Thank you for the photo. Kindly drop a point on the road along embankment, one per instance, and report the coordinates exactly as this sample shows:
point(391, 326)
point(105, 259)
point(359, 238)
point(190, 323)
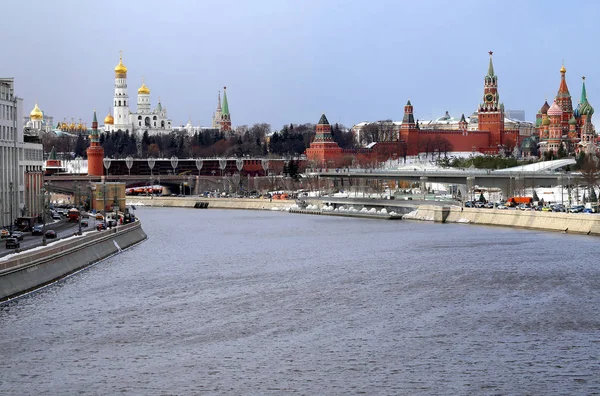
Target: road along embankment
point(577, 223)
point(213, 203)
point(26, 271)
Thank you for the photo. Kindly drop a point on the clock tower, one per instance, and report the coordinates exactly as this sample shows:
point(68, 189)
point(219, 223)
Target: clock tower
point(491, 111)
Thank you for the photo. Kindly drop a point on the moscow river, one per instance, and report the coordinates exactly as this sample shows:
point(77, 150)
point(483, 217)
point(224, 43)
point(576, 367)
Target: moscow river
point(255, 303)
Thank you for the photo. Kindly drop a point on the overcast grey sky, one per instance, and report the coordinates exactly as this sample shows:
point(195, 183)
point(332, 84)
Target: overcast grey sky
point(287, 61)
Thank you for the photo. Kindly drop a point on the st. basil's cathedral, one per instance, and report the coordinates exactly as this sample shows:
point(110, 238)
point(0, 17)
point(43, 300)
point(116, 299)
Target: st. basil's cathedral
point(559, 124)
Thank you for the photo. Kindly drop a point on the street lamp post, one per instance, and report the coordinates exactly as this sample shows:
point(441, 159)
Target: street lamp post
point(199, 165)
point(174, 162)
point(129, 164)
point(222, 165)
point(44, 190)
point(106, 162)
point(239, 164)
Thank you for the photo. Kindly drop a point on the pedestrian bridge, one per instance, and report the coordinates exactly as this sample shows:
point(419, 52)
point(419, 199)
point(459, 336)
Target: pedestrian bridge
point(541, 174)
point(539, 166)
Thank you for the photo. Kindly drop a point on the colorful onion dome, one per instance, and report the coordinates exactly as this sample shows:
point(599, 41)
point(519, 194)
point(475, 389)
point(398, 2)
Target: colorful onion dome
point(538, 122)
point(572, 121)
point(577, 111)
point(586, 109)
point(546, 121)
point(545, 107)
point(109, 120)
point(555, 110)
point(36, 113)
point(120, 69)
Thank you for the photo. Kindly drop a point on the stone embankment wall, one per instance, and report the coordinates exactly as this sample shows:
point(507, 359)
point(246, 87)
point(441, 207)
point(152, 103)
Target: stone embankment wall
point(30, 270)
point(213, 203)
point(579, 223)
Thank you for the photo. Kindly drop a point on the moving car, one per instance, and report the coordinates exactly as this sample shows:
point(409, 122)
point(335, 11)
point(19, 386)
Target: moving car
point(12, 243)
point(5, 233)
point(51, 234)
point(38, 230)
point(101, 226)
point(18, 234)
point(99, 216)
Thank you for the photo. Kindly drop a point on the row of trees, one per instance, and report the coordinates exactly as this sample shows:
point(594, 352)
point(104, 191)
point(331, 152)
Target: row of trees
point(257, 140)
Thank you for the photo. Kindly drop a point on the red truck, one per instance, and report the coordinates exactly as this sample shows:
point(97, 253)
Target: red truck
point(73, 215)
point(514, 201)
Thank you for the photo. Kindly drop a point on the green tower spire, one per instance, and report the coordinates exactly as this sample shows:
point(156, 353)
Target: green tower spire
point(491, 66)
point(323, 120)
point(225, 103)
point(583, 92)
point(95, 118)
point(52, 153)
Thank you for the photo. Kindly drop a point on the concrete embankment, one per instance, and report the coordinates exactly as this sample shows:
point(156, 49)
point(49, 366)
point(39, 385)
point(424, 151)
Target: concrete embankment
point(578, 223)
point(29, 270)
point(213, 203)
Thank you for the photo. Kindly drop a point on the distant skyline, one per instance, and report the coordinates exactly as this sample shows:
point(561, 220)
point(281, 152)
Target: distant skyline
point(288, 61)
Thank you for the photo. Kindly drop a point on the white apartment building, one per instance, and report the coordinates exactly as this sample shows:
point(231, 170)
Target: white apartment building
point(20, 160)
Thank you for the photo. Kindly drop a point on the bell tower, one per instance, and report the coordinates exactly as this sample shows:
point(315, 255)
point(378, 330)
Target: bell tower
point(491, 111)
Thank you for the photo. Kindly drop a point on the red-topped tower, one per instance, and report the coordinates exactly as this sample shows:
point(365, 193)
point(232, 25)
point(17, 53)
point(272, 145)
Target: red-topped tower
point(409, 133)
point(491, 111)
point(95, 152)
point(563, 100)
point(323, 149)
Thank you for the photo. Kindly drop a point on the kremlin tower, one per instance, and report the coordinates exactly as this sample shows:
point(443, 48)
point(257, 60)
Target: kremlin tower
point(324, 151)
point(95, 152)
point(225, 116)
point(491, 111)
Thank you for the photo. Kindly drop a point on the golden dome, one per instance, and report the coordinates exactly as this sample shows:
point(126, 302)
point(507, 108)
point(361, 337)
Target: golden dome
point(36, 113)
point(72, 126)
point(79, 127)
point(144, 89)
point(562, 69)
point(120, 69)
point(64, 126)
point(109, 120)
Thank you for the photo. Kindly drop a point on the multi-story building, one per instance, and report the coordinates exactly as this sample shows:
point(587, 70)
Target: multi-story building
point(20, 158)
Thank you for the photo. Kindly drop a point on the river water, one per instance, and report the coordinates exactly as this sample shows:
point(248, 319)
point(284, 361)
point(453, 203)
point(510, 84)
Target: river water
point(255, 303)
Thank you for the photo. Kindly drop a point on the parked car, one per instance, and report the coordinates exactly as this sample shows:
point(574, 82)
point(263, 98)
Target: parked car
point(99, 216)
point(12, 243)
point(479, 204)
point(18, 234)
point(38, 230)
point(100, 226)
point(5, 233)
point(546, 209)
point(489, 205)
point(576, 209)
point(51, 234)
point(502, 207)
point(588, 210)
point(469, 204)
